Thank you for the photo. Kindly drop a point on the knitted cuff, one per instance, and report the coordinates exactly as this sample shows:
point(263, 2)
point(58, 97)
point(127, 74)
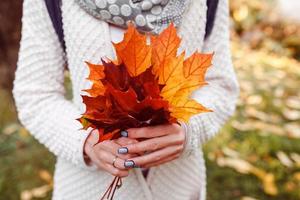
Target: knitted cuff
point(191, 141)
point(80, 156)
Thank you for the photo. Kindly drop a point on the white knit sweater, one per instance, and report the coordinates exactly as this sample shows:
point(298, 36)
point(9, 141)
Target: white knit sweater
point(44, 111)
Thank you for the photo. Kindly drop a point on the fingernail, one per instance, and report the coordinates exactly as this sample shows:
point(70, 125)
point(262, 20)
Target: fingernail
point(123, 150)
point(129, 164)
point(124, 133)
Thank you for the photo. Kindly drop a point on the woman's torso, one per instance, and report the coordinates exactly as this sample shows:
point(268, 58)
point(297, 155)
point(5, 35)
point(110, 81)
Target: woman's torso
point(89, 39)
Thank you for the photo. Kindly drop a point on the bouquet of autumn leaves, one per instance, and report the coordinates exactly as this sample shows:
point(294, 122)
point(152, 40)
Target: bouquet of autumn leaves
point(148, 84)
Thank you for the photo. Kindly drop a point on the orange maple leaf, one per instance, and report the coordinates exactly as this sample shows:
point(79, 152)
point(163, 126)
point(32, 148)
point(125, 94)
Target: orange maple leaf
point(134, 52)
point(95, 75)
point(96, 71)
point(96, 90)
point(196, 65)
point(165, 47)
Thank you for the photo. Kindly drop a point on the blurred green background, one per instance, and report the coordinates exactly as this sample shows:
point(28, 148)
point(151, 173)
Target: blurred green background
point(257, 154)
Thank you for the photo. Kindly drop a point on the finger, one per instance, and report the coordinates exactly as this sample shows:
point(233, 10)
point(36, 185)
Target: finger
point(156, 155)
point(93, 137)
point(114, 171)
point(112, 147)
point(123, 141)
point(108, 158)
point(163, 161)
point(156, 143)
point(93, 157)
point(153, 131)
point(109, 145)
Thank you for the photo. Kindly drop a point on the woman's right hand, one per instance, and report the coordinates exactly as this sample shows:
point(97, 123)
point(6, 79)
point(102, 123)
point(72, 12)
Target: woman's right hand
point(104, 153)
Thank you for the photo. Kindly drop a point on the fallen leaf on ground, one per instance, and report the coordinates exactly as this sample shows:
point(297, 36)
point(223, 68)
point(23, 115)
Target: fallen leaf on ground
point(39, 192)
point(284, 159)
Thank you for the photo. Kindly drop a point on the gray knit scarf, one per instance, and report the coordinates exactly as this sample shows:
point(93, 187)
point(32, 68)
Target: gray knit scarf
point(147, 15)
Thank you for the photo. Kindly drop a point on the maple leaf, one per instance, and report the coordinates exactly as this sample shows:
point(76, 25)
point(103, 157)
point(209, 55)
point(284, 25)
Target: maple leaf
point(172, 76)
point(126, 99)
point(183, 109)
point(134, 51)
point(97, 109)
point(180, 77)
point(165, 47)
point(194, 70)
point(151, 89)
point(196, 65)
point(116, 75)
point(97, 103)
point(185, 89)
point(85, 123)
point(107, 136)
point(96, 90)
point(96, 72)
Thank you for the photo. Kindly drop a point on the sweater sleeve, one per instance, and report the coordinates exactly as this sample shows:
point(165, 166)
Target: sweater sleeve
point(39, 87)
point(222, 90)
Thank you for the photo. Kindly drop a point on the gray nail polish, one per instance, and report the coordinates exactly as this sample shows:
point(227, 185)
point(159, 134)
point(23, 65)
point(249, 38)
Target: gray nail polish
point(129, 164)
point(124, 133)
point(123, 150)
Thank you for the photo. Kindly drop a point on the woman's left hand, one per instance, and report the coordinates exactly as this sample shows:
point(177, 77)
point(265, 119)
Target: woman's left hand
point(163, 143)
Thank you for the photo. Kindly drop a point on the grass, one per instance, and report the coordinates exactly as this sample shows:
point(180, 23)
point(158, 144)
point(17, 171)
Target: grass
point(22, 157)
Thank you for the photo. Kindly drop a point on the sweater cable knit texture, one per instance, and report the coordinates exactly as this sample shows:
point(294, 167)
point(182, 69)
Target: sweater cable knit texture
point(44, 111)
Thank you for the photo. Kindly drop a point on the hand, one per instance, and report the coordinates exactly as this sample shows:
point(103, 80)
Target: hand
point(164, 142)
point(103, 154)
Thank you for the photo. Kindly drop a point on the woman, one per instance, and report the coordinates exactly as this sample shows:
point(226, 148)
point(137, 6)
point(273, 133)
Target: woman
point(84, 170)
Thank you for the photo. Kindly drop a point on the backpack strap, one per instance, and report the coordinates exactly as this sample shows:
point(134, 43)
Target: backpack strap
point(212, 6)
point(54, 10)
